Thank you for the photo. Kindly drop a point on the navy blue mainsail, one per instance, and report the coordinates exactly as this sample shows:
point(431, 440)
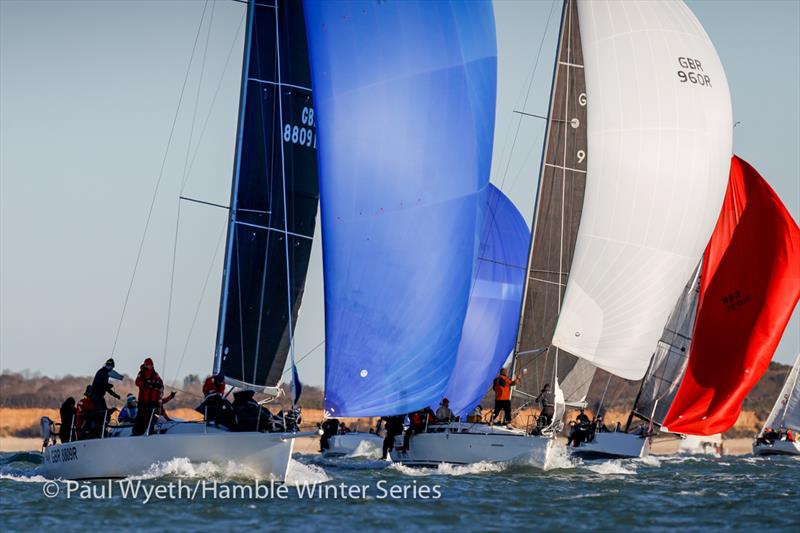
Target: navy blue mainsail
point(273, 200)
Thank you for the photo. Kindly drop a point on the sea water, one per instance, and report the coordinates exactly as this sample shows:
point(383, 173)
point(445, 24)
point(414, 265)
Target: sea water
point(654, 493)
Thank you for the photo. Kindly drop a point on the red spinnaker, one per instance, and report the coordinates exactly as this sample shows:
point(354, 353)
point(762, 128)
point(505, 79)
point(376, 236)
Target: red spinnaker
point(749, 285)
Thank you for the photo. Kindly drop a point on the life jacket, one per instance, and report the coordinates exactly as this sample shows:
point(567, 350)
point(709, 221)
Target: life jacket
point(210, 386)
point(502, 388)
point(150, 387)
point(416, 419)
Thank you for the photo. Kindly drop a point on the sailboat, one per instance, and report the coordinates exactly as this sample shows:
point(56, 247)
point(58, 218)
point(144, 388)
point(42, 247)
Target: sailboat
point(270, 228)
point(489, 324)
point(784, 417)
point(657, 388)
point(634, 172)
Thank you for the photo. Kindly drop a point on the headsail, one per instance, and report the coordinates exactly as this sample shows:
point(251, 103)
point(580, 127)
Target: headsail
point(658, 144)
point(490, 326)
point(669, 361)
point(405, 93)
point(786, 411)
point(749, 287)
point(273, 200)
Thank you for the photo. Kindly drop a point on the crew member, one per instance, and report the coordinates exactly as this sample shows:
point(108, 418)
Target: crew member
point(330, 427)
point(443, 413)
point(151, 389)
point(547, 407)
point(214, 384)
point(128, 413)
point(580, 429)
point(67, 413)
point(502, 395)
point(394, 427)
point(101, 386)
point(418, 421)
point(85, 416)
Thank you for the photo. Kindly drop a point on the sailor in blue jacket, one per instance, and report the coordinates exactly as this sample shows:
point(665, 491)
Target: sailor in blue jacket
point(128, 413)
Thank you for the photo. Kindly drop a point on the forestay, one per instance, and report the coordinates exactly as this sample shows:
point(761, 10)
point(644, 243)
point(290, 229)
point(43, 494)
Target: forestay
point(659, 143)
point(273, 200)
point(405, 93)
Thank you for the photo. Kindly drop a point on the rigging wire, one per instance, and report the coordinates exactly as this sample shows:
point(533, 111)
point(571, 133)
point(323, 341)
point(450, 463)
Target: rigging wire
point(200, 300)
point(158, 182)
point(516, 134)
point(183, 182)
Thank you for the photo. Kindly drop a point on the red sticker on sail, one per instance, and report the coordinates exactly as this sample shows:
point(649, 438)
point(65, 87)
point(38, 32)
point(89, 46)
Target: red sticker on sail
point(749, 286)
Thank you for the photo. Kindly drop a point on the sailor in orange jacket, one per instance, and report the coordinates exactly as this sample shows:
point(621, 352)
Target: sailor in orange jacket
point(502, 395)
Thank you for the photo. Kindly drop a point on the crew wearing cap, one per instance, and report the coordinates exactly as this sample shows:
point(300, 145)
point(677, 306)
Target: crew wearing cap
point(101, 386)
point(128, 413)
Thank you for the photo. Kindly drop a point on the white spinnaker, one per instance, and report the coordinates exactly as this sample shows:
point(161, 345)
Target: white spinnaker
point(659, 152)
point(786, 411)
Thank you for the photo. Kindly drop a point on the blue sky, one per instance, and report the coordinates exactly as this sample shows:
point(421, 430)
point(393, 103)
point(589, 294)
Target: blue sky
point(88, 92)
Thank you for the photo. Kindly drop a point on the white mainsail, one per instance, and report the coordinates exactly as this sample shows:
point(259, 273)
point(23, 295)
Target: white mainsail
point(659, 147)
point(786, 411)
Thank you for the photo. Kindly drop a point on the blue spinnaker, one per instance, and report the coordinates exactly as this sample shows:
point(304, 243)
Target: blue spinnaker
point(490, 327)
point(405, 96)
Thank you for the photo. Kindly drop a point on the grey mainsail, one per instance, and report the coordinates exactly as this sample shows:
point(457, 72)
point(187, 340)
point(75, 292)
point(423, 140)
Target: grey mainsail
point(669, 361)
point(556, 220)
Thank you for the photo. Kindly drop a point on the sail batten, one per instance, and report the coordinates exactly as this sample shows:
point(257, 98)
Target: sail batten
point(274, 197)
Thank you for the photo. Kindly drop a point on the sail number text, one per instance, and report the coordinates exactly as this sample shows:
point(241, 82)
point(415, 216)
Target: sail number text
point(693, 72)
point(302, 134)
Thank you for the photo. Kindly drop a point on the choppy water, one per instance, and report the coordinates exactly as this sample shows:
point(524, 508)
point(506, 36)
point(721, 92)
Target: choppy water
point(639, 494)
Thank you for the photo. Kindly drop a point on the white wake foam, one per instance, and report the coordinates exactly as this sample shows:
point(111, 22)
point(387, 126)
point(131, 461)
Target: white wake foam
point(559, 459)
point(182, 467)
point(24, 478)
point(301, 474)
point(610, 468)
point(367, 449)
point(650, 460)
point(445, 469)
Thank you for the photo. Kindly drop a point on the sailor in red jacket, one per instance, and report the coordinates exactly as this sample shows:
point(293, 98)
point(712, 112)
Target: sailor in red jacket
point(214, 384)
point(151, 390)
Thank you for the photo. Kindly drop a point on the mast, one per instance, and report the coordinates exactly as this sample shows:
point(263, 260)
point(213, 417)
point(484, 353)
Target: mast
point(558, 206)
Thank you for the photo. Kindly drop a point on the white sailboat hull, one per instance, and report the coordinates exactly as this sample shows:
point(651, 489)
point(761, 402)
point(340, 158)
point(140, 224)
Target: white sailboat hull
point(473, 443)
point(265, 454)
point(613, 445)
point(356, 443)
point(779, 447)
